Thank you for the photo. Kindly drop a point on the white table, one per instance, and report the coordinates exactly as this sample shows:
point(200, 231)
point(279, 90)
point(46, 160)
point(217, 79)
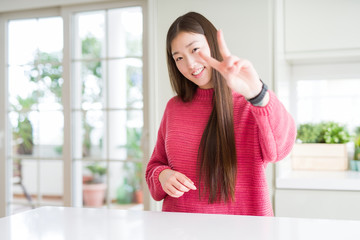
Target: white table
point(58, 223)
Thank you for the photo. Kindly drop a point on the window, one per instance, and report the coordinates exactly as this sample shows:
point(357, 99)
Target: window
point(328, 100)
point(35, 112)
point(107, 108)
point(326, 92)
point(88, 90)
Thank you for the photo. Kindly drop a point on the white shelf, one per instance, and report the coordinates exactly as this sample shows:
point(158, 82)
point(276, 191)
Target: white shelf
point(319, 180)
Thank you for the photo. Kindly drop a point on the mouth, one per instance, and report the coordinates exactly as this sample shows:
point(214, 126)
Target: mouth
point(198, 71)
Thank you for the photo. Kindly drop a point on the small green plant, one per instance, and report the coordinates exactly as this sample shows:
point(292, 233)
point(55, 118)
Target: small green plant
point(333, 132)
point(357, 144)
point(308, 133)
point(324, 132)
point(23, 132)
point(97, 172)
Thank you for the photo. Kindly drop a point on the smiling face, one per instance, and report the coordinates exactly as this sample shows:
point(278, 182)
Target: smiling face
point(184, 49)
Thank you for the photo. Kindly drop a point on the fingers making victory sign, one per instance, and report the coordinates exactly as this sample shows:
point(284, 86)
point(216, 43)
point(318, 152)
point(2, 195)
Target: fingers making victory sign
point(239, 74)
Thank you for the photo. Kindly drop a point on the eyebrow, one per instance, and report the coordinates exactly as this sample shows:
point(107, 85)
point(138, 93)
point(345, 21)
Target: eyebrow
point(188, 45)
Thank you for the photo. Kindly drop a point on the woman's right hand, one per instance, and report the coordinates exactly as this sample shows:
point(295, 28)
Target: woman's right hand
point(174, 183)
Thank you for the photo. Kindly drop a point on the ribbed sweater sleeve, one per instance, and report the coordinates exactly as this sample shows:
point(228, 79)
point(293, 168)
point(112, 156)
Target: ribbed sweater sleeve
point(277, 129)
point(158, 162)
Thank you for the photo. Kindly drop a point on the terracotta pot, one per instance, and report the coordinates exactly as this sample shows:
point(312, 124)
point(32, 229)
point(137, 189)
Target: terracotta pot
point(138, 196)
point(87, 179)
point(94, 194)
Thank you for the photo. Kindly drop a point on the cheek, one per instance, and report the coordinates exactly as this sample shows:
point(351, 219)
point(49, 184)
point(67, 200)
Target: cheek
point(181, 67)
point(207, 51)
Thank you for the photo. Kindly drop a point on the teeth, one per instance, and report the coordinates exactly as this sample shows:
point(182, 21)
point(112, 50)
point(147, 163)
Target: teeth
point(198, 71)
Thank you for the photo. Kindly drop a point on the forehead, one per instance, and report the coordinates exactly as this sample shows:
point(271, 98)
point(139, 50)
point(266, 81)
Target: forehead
point(184, 39)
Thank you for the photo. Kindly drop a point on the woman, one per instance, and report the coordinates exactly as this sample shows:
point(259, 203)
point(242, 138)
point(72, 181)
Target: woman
point(220, 131)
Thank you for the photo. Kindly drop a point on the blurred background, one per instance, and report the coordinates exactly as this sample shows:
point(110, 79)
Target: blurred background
point(84, 83)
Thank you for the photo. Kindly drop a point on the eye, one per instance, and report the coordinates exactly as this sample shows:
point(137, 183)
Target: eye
point(195, 49)
point(178, 59)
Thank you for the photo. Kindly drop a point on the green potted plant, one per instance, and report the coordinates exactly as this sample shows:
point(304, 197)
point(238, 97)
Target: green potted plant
point(321, 146)
point(94, 187)
point(135, 181)
point(23, 136)
point(355, 163)
point(23, 132)
point(138, 191)
point(130, 191)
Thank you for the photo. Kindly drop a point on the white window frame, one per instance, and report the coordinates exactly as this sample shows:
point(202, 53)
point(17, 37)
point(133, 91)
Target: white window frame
point(4, 138)
point(66, 13)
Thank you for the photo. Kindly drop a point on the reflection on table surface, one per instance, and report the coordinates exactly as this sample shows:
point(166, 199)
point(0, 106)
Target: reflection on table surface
point(58, 223)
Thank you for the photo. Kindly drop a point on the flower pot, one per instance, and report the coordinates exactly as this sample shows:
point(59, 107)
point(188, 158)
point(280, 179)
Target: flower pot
point(94, 194)
point(319, 156)
point(354, 165)
point(138, 196)
point(358, 165)
point(87, 179)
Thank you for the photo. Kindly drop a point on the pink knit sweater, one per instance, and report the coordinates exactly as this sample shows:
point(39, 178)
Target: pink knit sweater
point(262, 135)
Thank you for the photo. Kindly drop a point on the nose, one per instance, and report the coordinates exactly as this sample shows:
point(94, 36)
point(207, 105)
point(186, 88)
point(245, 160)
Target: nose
point(191, 61)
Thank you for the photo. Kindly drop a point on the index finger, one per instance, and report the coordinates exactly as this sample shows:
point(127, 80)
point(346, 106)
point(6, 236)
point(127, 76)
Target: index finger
point(224, 51)
point(211, 61)
point(184, 180)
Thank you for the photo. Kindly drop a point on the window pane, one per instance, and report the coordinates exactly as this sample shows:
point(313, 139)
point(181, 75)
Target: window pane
point(51, 35)
point(91, 124)
point(118, 135)
point(90, 35)
point(125, 185)
point(39, 134)
point(48, 76)
point(51, 182)
point(125, 83)
point(125, 37)
point(329, 100)
point(24, 133)
point(89, 87)
point(21, 51)
point(107, 91)
point(51, 136)
point(94, 183)
point(125, 135)
point(25, 188)
point(35, 111)
point(20, 86)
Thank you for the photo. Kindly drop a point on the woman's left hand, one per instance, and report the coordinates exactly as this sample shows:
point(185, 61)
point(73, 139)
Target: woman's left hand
point(240, 75)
